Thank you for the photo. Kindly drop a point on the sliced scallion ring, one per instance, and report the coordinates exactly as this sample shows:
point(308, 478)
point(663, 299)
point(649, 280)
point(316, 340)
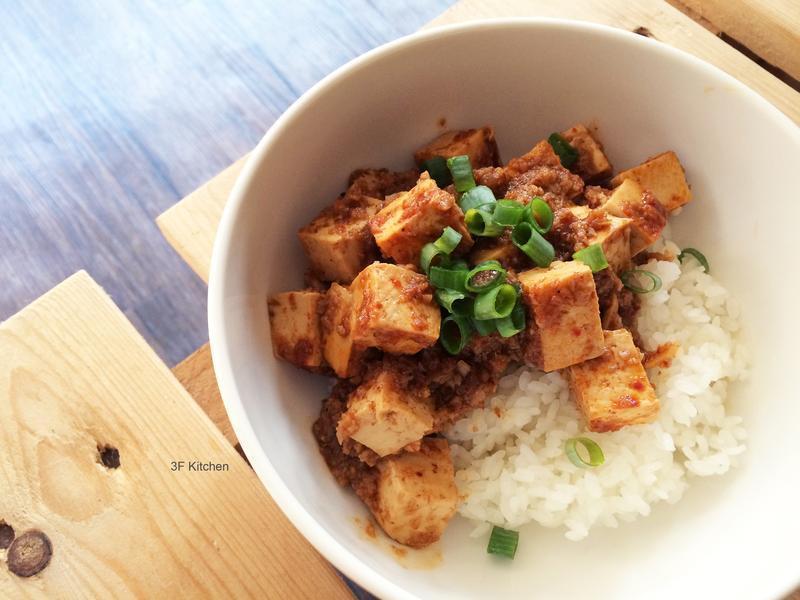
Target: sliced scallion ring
point(436, 167)
point(448, 241)
point(461, 170)
point(477, 197)
point(484, 327)
point(455, 333)
point(630, 280)
point(452, 301)
point(485, 275)
point(539, 214)
point(512, 324)
point(480, 222)
point(596, 457)
point(564, 149)
point(448, 278)
point(431, 255)
point(495, 303)
point(592, 256)
point(508, 212)
point(503, 542)
point(531, 242)
point(697, 254)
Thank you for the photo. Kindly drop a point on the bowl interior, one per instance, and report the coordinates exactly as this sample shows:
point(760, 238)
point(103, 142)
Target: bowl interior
point(730, 536)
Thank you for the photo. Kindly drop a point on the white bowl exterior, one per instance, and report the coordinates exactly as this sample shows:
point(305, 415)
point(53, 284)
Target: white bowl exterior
point(734, 536)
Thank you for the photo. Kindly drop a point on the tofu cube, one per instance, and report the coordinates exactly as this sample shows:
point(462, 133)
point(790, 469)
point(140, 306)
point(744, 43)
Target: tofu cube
point(416, 494)
point(478, 144)
point(563, 326)
point(338, 241)
point(394, 309)
point(648, 217)
point(295, 328)
point(592, 164)
point(615, 239)
point(384, 416)
point(664, 176)
point(337, 323)
point(612, 390)
point(415, 218)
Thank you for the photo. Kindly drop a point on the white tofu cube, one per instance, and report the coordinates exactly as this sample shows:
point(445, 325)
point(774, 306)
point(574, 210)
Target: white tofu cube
point(563, 325)
point(384, 416)
point(337, 323)
point(478, 144)
point(615, 239)
point(592, 164)
point(664, 176)
point(416, 494)
point(612, 390)
point(394, 309)
point(294, 319)
point(648, 217)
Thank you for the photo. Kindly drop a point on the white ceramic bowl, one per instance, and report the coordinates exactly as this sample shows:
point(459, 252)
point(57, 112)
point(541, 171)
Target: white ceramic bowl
point(730, 537)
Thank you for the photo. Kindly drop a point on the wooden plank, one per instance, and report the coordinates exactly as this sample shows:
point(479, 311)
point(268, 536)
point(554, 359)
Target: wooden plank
point(190, 225)
point(75, 375)
point(196, 374)
point(769, 29)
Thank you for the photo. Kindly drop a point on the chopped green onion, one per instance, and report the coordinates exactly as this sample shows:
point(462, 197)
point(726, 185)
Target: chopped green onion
point(453, 301)
point(484, 326)
point(436, 167)
point(485, 275)
point(431, 255)
point(461, 170)
point(596, 457)
point(495, 303)
point(448, 278)
point(476, 198)
point(697, 254)
point(503, 542)
point(448, 241)
point(592, 256)
point(455, 333)
point(629, 280)
point(480, 222)
point(539, 214)
point(530, 241)
point(508, 212)
point(512, 324)
point(564, 149)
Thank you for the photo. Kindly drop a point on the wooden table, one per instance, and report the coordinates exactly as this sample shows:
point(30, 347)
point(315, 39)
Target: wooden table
point(77, 379)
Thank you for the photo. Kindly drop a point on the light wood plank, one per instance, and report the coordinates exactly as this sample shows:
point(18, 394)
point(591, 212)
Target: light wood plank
point(771, 29)
point(190, 225)
point(74, 373)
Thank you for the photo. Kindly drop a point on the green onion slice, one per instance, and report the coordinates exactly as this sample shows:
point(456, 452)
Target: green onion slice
point(480, 222)
point(431, 255)
point(701, 258)
point(484, 327)
point(512, 324)
point(461, 170)
point(503, 542)
point(448, 278)
point(508, 212)
point(495, 303)
point(436, 167)
point(539, 214)
point(477, 197)
point(631, 278)
point(592, 256)
point(564, 149)
point(531, 242)
point(454, 302)
point(485, 276)
point(455, 333)
point(596, 457)
point(448, 241)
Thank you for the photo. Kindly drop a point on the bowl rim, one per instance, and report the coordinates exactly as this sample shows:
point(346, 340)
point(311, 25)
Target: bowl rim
point(331, 549)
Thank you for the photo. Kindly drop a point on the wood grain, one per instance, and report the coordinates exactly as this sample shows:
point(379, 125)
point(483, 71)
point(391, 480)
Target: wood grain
point(771, 29)
point(74, 374)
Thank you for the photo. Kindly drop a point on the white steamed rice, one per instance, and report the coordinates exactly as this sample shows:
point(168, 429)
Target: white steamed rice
point(509, 456)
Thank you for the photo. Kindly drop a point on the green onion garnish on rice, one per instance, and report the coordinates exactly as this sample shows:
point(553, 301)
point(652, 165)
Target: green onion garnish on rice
point(503, 542)
point(630, 279)
point(697, 254)
point(596, 457)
